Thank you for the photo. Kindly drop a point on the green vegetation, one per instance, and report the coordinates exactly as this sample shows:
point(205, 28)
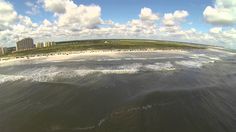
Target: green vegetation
point(111, 44)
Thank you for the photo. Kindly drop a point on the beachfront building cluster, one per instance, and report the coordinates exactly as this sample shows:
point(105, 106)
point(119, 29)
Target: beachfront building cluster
point(25, 44)
point(3, 50)
point(49, 44)
point(45, 44)
point(39, 45)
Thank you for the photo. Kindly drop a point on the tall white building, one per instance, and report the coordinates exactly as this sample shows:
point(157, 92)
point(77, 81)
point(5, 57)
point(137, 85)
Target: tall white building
point(49, 44)
point(3, 50)
point(44, 44)
point(39, 45)
point(25, 44)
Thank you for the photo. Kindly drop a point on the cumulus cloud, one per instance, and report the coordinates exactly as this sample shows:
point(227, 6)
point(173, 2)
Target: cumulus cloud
point(8, 15)
point(55, 6)
point(13, 26)
point(147, 15)
point(172, 19)
point(223, 37)
point(171, 23)
point(145, 25)
point(81, 16)
point(29, 4)
point(222, 13)
point(74, 16)
point(215, 30)
point(34, 8)
point(72, 21)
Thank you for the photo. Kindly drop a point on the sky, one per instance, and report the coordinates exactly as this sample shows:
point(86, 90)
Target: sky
point(211, 22)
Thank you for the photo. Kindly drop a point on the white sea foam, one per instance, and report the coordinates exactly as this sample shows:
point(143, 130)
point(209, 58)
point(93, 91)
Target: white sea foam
point(85, 72)
point(198, 63)
point(198, 60)
point(131, 66)
point(48, 74)
point(43, 74)
point(204, 56)
point(139, 58)
point(221, 51)
point(214, 58)
point(53, 73)
point(9, 78)
point(190, 64)
point(160, 66)
point(123, 69)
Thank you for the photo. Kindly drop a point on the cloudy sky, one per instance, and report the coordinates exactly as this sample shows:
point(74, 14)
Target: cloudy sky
point(198, 21)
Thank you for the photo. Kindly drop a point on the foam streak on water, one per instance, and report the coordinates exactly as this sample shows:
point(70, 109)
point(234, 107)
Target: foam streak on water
point(49, 74)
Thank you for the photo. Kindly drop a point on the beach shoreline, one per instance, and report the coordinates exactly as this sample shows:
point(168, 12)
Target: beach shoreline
point(70, 54)
point(114, 53)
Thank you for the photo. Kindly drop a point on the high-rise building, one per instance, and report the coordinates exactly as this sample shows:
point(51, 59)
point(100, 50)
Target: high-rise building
point(39, 45)
point(1, 53)
point(3, 50)
point(49, 44)
point(25, 44)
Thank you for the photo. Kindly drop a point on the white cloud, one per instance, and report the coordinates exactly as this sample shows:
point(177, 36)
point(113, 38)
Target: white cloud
point(80, 16)
point(34, 8)
point(8, 15)
point(47, 23)
point(147, 15)
point(171, 23)
point(222, 13)
point(74, 16)
point(26, 21)
point(180, 15)
point(223, 37)
point(56, 6)
point(72, 21)
point(216, 30)
point(29, 4)
point(173, 19)
point(169, 29)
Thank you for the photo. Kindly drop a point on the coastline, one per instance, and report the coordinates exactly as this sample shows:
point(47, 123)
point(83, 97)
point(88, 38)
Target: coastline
point(55, 56)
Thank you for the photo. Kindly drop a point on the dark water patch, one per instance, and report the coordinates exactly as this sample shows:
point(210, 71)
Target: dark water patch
point(199, 110)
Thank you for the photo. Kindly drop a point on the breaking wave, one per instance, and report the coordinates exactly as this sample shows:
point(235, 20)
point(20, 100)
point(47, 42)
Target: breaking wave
point(197, 61)
point(48, 74)
point(8, 78)
point(143, 58)
point(53, 73)
point(161, 67)
point(192, 64)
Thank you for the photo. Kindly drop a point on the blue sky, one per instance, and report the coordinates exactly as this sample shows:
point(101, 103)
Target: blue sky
point(200, 21)
point(125, 10)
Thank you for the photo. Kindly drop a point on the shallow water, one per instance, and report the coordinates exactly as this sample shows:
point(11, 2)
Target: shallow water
point(132, 92)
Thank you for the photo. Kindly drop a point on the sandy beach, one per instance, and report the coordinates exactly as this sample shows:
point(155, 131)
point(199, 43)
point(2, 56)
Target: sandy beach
point(60, 56)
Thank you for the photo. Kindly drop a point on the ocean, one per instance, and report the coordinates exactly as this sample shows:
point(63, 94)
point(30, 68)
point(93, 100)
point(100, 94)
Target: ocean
point(193, 91)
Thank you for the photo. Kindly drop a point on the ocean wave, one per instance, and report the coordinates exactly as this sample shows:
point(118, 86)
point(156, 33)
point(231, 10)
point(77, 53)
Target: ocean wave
point(194, 63)
point(53, 73)
point(86, 72)
point(9, 78)
point(48, 74)
point(160, 66)
point(198, 60)
point(204, 56)
point(190, 64)
point(139, 58)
